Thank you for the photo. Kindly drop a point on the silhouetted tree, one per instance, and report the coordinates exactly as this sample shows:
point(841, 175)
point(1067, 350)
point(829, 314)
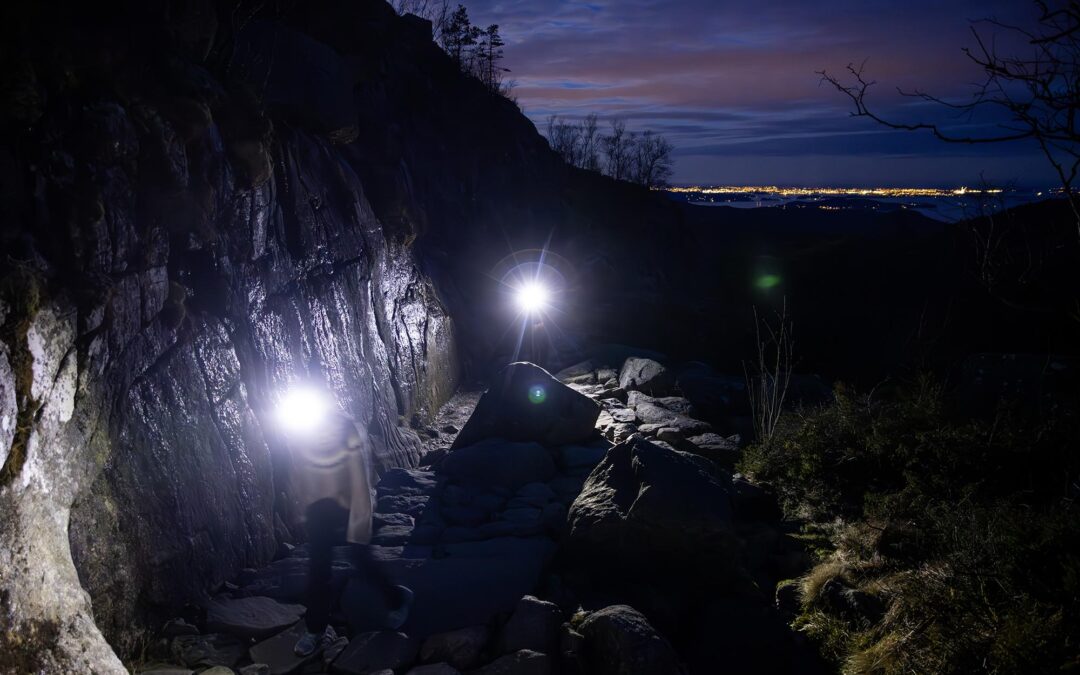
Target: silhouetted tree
point(652, 160)
point(489, 54)
point(458, 36)
point(618, 146)
point(645, 160)
point(590, 144)
point(565, 139)
point(1039, 90)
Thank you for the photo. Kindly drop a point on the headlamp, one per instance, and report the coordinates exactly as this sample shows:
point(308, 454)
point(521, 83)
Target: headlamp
point(302, 409)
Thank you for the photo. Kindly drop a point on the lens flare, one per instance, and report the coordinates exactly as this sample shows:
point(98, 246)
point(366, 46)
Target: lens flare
point(302, 409)
point(532, 297)
point(767, 281)
point(537, 394)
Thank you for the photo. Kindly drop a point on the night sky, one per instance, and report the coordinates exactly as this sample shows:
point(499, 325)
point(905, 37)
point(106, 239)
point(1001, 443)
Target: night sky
point(732, 83)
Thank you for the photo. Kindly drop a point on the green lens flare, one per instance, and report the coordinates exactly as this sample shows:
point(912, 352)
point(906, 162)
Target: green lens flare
point(767, 281)
point(537, 394)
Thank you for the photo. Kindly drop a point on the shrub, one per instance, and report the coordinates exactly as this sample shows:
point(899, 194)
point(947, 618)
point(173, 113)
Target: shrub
point(958, 548)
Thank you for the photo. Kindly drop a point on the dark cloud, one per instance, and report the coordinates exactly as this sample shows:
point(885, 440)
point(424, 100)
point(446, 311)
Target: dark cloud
point(727, 78)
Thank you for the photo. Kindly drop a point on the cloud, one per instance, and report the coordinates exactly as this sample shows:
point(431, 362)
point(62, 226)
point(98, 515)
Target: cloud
point(738, 76)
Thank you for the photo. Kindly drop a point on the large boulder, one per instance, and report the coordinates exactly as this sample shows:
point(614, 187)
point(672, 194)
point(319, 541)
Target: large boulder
point(619, 640)
point(646, 375)
point(525, 403)
point(495, 463)
point(524, 662)
point(254, 617)
point(459, 648)
point(644, 503)
point(534, 625)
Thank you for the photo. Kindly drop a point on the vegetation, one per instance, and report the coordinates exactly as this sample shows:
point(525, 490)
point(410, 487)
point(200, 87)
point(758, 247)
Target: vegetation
point(768, 379)
point(643, 159)
point(476, 51)
point(956, 538)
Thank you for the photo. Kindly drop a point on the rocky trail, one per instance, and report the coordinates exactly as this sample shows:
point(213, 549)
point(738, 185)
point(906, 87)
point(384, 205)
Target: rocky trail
point(550, 518)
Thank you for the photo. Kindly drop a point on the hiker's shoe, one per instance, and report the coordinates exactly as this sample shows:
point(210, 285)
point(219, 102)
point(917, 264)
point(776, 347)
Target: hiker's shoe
point(397, 617)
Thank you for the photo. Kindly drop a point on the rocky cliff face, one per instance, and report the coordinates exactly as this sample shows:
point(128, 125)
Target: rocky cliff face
point(205, 202)
point(174, 261)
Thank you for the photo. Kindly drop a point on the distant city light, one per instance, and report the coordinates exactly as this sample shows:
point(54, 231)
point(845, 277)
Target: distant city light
point(532, 297)
point(834, 191)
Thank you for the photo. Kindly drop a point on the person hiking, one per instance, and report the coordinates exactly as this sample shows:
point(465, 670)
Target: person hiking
point(333, 481)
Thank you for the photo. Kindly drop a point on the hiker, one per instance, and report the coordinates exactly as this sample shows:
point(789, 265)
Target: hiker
point(333, 480)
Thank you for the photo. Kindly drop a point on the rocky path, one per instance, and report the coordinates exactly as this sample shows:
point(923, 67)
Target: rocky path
point(527, 495)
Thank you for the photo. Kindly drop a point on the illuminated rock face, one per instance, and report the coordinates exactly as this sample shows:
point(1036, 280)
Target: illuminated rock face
point(144, 346)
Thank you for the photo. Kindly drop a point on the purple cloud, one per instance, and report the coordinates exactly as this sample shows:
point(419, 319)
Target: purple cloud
point(725, 79)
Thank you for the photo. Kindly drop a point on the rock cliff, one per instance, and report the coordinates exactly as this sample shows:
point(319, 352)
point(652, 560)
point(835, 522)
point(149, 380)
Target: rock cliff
point(175, 256)
point(205, 202)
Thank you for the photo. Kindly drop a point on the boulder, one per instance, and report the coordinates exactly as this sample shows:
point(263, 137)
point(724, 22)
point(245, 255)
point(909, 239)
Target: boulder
point(653, 418)
point(572, 457)
point(584, 372)
point(459, 648)
point(277, 652)
point(495, 462)
point(207, 650)
point(524, 662)
point(393, 520)
point(407, 482)
point(753, 502)
point(410, 505)
point(534, 625)
point(536, 494)
point(618, 433)
point(253, 617)
point(254, 669)
point(644, 503)
point(378, 650)
point(646, 375)
point(525, 403)
point(177, 627)
point(676, 404)
point(619, 640)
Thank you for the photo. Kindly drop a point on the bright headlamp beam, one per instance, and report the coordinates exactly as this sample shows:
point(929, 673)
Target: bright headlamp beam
point(302, 409)
point(532, 297)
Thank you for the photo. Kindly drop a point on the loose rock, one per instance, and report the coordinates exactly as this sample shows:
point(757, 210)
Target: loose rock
point(460, 648)
point(254, 617)
point(524, 662)
point(646, 375)
point(380, 650)
point(620, 641)
point(534, 626)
